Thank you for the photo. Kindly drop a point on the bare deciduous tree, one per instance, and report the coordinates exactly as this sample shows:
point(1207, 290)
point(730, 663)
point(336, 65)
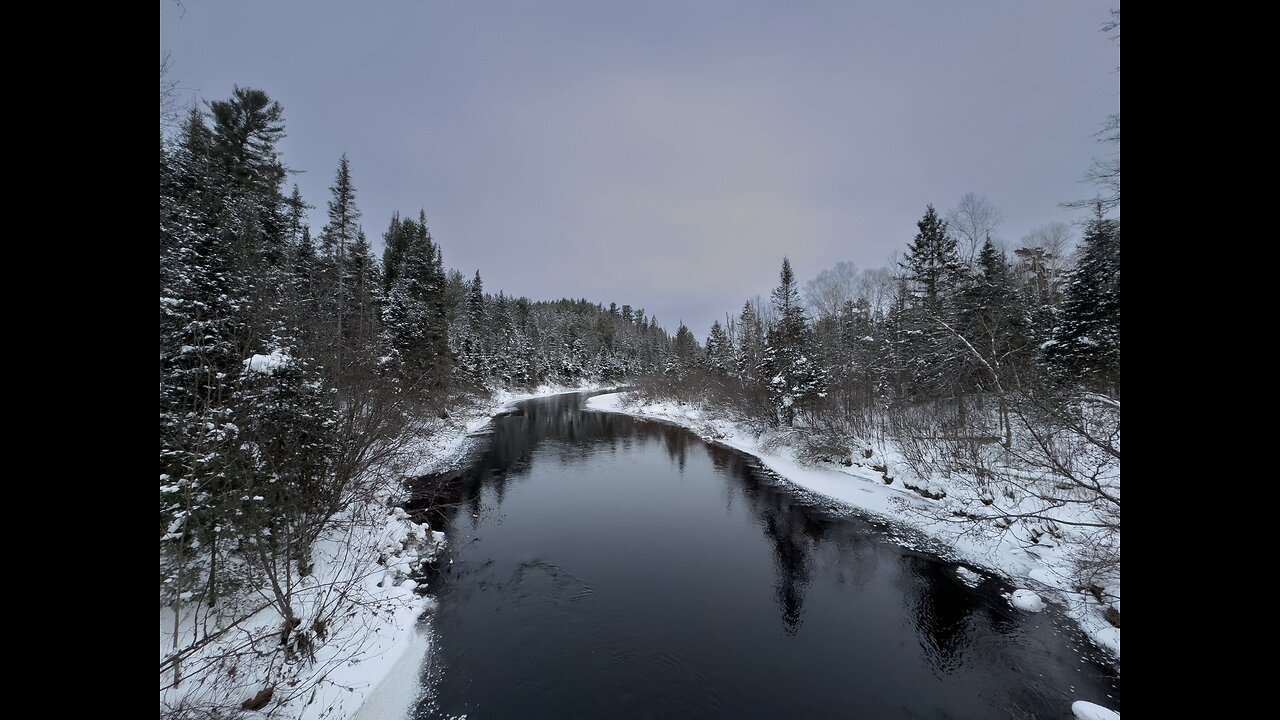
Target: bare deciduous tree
point(972, 221)
point(827, 293)
point(876, 286)
point(1044, 258)
point(169, 110)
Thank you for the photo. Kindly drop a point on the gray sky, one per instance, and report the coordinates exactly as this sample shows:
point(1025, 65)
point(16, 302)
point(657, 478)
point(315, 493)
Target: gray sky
point(668, 154)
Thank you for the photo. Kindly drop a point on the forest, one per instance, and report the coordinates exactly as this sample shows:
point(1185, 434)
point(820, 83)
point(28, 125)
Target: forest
point(298, 370)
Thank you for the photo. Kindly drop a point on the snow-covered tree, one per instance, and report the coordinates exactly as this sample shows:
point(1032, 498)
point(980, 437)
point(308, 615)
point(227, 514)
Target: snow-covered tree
point(794, 379)
point(415, 315)
point(1086, 343)
point(750, 349)
point(719, 351)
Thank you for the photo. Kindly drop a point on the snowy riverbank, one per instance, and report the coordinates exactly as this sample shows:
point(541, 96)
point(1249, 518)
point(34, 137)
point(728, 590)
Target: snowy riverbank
point(1044, 566)
point(369, 659)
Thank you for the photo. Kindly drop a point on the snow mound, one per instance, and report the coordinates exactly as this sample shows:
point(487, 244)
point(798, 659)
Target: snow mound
point(969, 577)
point(266, 364)
point(1088, 711)
point(1026, 600)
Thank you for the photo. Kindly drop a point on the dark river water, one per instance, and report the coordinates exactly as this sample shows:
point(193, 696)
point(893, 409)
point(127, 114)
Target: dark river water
point(606, 567)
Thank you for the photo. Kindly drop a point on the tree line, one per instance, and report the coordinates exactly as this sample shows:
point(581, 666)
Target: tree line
point(293, 367)
point(1000, 374)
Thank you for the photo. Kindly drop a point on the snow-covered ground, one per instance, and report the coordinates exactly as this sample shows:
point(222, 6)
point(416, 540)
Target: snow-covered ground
point(368, 663)
point(1045, 566)
point(1088, 711)
point(359, 583)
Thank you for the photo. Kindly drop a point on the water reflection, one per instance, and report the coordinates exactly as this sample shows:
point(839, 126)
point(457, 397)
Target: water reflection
point(610, 567)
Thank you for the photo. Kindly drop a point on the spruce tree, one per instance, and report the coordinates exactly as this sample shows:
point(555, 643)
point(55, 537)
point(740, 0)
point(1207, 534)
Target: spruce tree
point(932, 263)
point(930, 350)
point(750, 350)
point(416, 316)
point(794, 379)
point(687, 352)
point(471, 331)
point(393, 245)
point(1086, 343)
point(719, 352)
point(337, 240)
point(364, 280)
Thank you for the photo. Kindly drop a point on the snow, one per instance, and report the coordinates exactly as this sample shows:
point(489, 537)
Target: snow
point(1088, 711)
point(885, 486)
point(969, 577)
point(1026, 600)
point(369, 635)
point(266, 364)
point(370, 661)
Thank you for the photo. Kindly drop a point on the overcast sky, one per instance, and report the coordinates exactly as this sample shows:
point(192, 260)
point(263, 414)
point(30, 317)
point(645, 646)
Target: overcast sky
point(668, 154)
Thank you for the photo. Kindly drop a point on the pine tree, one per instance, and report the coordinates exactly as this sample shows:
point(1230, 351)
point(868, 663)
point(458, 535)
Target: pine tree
point(247, 128)
point(201, 307)
point(416, 316)
point(301, 272)
point(935, 277)
point(794, 379)
point(393, 246)
point(1086, 343)
point(719, 351)
point(228, 238)
point(297, 216)
point(687, 352)
point(750, 350)
point(363, 277)
point(933, 264)
point(992, 312)
point(337, 239)
point(471, 331)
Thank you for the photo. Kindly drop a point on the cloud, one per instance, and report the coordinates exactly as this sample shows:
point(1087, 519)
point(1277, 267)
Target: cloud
point(684, 189)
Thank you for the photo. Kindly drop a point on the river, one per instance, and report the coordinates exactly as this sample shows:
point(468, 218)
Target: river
point(608, 567)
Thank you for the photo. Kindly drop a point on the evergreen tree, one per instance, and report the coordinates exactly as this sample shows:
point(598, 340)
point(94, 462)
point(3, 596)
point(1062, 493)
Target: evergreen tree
point(471, 332)
point(393, 246)
point(201, 306)
point(337, 240)
point(687, 352)
point(300, 299)
point(297, 216)
point(416, 316)
point(286, 457)
point(1086, 343)
point(935, 276)
point(750, 350)
point(247, 128)
point(795, 380)
point(992, 310)
point(719, 351)
point(364, 279)
point(933, 264)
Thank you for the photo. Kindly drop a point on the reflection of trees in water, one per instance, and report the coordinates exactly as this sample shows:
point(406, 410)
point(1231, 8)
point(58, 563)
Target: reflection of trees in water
point(573, 433)
point(561, 425)
point(676, 442)
point(794, 532)
point(942, 609)
point(805, 539)
point(791, 554)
